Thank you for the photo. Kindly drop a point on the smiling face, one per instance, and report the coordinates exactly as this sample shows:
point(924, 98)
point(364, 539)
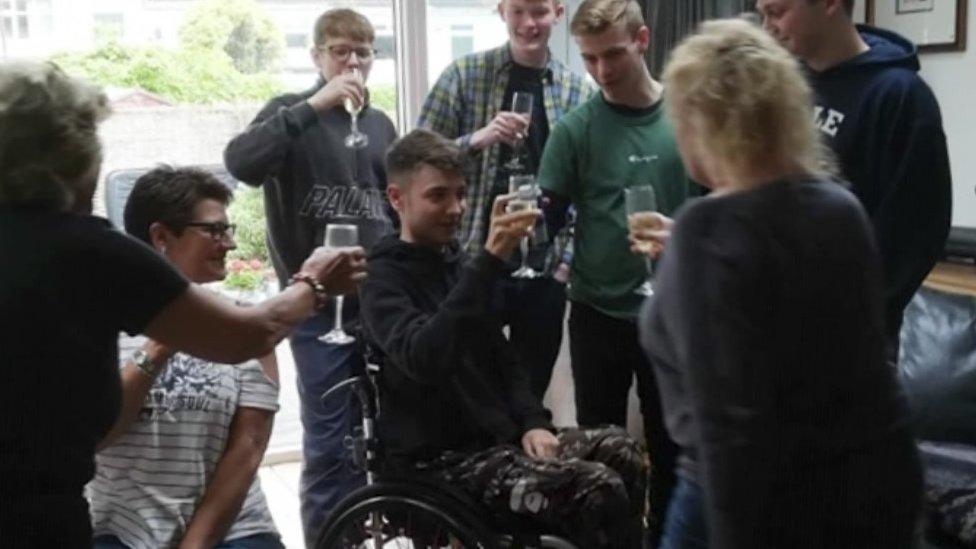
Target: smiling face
point(199, 252)
point(430, 202)
point(529, 23)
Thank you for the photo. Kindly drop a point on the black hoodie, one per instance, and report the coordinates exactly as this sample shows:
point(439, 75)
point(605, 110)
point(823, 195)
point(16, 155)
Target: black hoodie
point(449, 378)
point(311, 178)
point(884, 124)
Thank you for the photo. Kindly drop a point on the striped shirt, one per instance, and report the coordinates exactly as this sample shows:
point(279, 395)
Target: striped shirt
point(148, 483)
point(466, 97)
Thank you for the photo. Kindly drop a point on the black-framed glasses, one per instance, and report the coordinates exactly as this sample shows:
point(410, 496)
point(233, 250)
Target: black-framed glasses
point(341, 52)
point(216, 229)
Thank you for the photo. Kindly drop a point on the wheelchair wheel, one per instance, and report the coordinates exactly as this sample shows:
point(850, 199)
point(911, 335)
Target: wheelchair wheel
point(401, 516)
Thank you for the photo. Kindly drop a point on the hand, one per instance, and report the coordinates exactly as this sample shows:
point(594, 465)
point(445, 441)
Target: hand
point(506, 127)
point(540, 443)
point(340, 270)
point(649, 232)
point(338, 88)
point(508, 229)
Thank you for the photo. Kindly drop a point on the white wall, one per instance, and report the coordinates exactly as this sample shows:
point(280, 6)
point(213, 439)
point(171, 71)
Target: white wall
point(953, 79)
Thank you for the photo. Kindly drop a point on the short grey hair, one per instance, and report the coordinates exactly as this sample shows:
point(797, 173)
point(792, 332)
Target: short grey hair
point(48, 134)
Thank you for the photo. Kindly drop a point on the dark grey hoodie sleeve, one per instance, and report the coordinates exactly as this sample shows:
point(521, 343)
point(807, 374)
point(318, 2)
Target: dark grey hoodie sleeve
point(260, 151)
point(912, 221)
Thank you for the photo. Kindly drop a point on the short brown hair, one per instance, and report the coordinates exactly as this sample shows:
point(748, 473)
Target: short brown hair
point(423, 147)
point(596, 16)
point(343, 22)
point(848, 5)
point(169, 195)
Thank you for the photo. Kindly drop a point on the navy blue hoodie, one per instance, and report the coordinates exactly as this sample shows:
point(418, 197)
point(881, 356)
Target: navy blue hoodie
point(884, 124)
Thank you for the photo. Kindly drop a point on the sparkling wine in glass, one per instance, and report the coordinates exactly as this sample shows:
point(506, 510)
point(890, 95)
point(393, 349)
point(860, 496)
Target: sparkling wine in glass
point(521, 104)
point(339, 236)
point(526, 197)
point(639, 200)
point(356, 139)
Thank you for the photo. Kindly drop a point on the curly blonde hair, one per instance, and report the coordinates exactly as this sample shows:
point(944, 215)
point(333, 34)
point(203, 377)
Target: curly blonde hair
point(746, 98)
point(48, 134)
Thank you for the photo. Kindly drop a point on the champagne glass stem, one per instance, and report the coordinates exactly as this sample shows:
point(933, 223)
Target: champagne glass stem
point(354, 124)
point(524, 247)
point(650, 267)
point(338, 316)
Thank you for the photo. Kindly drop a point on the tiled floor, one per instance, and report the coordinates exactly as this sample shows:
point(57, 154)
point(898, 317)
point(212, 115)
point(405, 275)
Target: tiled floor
point(279, 477)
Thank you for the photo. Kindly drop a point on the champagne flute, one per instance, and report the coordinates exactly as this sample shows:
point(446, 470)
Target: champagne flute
point(339, 236)
point(356, 139)
point(521, 104)
point(637, 200)
point(526, 197)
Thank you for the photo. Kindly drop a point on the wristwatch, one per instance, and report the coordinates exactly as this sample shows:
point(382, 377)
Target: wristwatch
point(142, 361)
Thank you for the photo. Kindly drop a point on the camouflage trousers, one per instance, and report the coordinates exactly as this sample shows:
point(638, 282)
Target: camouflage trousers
point(593, 492)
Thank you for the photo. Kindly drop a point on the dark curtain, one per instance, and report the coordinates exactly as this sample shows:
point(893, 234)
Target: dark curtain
point(672, 20)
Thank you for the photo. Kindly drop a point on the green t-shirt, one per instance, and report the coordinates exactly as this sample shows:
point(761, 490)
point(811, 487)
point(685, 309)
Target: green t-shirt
point(593, 154)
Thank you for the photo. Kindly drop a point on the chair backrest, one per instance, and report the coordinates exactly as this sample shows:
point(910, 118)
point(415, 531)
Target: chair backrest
point(119, 183)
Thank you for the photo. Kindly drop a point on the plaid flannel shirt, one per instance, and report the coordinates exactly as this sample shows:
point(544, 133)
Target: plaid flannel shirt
point(465, 98)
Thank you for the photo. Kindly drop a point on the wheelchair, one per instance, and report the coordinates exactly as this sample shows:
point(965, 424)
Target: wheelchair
point(410, 512)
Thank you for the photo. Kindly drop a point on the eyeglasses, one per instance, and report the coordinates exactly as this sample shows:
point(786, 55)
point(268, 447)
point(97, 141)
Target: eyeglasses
point(341, 52)
point(217, 230)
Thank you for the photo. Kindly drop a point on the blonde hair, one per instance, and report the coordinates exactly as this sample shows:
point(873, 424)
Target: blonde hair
point(48, 134)
point(595, 16)
point(746, 98)
point(345, 23)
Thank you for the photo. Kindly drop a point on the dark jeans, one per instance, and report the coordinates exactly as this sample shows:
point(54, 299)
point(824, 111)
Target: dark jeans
point(685, 526)
point(591, 492)
point(328, 474)
point(605, 357)
point(257, 541)
point(533, 310)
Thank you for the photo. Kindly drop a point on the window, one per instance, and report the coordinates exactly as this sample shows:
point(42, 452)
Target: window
point(296, 40)
point(459, 27)
point(15, 22)
point(462, 40)
point(109, 24)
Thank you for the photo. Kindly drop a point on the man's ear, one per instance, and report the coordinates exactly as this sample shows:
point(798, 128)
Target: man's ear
point(395, 195)
point(643, 38)
point(159, 236)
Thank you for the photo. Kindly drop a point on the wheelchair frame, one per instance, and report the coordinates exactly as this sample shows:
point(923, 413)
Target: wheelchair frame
point(373, 516)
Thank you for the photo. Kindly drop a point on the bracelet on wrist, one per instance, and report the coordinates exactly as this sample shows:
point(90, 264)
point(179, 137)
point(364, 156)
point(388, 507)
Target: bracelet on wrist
point(144, 363)
point(318, 290)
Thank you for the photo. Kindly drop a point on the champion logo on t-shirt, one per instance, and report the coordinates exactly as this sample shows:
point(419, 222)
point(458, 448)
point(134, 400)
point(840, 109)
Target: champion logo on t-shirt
point(638, 159)
point(328, 202)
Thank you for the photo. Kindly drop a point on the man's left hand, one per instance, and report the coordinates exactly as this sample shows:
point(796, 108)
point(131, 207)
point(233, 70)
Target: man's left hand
point(540, 443)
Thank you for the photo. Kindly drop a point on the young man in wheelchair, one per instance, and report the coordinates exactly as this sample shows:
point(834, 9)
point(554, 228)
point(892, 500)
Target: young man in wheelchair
point(455, 404)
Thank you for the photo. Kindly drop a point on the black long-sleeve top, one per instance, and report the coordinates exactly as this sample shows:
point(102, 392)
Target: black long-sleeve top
point(766, 333)
point(449, 378)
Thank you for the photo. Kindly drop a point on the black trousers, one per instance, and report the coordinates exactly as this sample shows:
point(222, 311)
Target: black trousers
point(533, 310)
point(606, 355)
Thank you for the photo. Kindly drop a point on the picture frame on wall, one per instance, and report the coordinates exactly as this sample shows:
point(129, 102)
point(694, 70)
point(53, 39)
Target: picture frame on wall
point(914, 6)
point(864, 12)
point(933, 25)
